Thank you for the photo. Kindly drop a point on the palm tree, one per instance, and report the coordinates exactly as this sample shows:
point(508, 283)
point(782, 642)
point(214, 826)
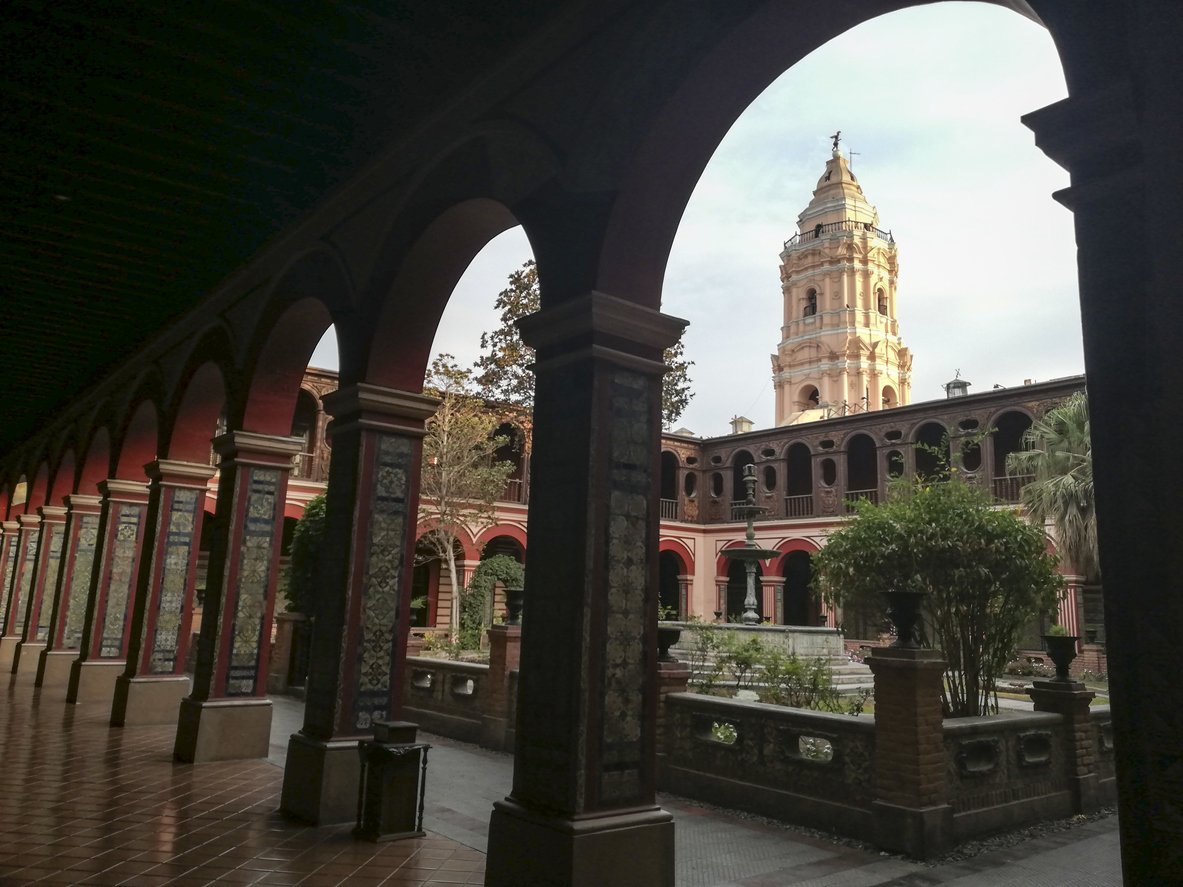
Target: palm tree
point(1058, 456)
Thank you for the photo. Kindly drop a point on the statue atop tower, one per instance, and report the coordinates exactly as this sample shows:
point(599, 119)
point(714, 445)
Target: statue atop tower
point(840, 350)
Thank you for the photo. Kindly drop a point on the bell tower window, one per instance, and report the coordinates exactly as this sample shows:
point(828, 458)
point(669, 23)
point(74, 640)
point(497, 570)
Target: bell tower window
point(810, 303)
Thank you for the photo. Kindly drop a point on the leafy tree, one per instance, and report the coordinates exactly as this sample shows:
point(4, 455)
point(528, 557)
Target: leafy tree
point(1058, 456)
point(504, 374)
point(307, 541)
point(461, 478)
point(984, 571)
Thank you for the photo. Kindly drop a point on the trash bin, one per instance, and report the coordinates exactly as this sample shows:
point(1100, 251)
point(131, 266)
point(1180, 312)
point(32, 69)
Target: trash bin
point(393, 778)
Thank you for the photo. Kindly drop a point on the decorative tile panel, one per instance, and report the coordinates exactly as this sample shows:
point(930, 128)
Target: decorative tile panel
point(629, 484)
point(26, 583)
point(177, 548)
point(75, 602)
point(54, 560)
point(10, 546)
point(121, 580)
point(254, 575)
point(384, 565)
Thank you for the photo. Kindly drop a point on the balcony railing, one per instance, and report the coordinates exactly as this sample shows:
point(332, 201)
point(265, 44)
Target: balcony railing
point(1009, 489)
point(799, 506)
point(669, 509)
point(515, 491)
point(852, 496)
point(302, 465)
point(833, 227)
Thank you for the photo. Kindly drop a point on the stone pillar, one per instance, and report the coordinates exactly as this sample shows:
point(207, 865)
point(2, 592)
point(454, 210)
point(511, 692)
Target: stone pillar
point(22, 561)
point(153, 683)
point(363, 613)
point(721, 597)
point(685, 584)
point(45, 574)
point(105, 625)
point(583, 809)
point(67, 606)
point(505, 646)
point(1072, 702)
point(286, 625)
point(228, 714)
point(911, 807)
point(771, 600)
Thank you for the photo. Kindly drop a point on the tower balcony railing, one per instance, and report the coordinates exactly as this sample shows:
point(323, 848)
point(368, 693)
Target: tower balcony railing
point(669, 509)
point(515, 491)
point(835, 227)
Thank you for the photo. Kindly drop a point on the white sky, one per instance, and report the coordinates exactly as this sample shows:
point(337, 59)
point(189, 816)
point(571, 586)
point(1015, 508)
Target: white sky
point(931, 99)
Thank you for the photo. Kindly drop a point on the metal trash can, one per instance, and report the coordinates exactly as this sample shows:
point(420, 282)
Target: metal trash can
point(393, 779)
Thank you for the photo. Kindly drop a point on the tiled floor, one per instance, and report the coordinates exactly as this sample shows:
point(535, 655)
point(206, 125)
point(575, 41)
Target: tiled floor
point(82, 803)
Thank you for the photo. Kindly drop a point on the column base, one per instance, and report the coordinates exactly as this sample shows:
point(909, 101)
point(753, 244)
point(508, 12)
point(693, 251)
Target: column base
point(321, 780)
point(25, 657)
point(8, 651)
point(223, 729)
point(148, 700)
point(627, 849)
point(93, 680)
point(919, 832)
point(53, 668)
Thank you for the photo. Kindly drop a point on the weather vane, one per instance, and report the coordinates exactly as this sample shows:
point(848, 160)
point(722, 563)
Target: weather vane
point(837, 137)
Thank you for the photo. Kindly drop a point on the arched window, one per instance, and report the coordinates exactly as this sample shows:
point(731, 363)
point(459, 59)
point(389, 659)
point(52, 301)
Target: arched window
point(717, 484)
point(881, 300)
point(810, 303)
point(738, 462)
point(932, 454)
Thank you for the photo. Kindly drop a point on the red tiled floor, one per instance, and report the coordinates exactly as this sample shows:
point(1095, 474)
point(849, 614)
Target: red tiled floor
point(82, 803)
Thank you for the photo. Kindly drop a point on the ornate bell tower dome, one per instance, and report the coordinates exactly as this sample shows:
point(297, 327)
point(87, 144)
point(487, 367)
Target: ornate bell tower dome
point(840, 350)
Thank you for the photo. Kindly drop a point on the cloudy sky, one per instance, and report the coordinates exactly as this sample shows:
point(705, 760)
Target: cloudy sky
point(930, 100)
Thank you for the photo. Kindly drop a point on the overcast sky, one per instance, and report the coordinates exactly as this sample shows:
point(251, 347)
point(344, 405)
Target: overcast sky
point(930, 99)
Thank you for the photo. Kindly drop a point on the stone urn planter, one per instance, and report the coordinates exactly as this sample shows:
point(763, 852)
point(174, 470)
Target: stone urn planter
point(667, 636)
point(903, 608)
point(1061, 649)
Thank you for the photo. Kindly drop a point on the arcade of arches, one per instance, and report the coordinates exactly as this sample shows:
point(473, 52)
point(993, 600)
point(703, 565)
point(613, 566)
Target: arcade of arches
point(169, 297)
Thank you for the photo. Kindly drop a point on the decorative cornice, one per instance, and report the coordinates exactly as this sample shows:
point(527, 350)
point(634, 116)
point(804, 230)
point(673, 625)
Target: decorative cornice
point(598, 315)
point(235, 444)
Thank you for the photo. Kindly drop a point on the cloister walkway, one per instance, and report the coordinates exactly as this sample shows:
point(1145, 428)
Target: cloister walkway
point(82, 803)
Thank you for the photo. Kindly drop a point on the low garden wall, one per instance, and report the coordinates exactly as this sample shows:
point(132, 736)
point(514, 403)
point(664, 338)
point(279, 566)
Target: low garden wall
point(932, 790)
point(806, 767)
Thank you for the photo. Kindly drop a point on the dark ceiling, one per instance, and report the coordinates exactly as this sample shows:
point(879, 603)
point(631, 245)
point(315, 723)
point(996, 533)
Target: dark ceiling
point(148, 150)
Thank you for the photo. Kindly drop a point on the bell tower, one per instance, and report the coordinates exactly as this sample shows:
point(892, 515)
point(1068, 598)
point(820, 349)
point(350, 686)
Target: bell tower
point(840, 350)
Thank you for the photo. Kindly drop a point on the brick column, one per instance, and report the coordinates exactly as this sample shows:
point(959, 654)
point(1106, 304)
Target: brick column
point(67, 605)
point(1072, 701)
point(583, 807)
point(21, 561)
point(45, 573)
point(228, 714)
point(505, 652)
point(911, 806)
point(103, 649)
point(153, 683)
point(362, 616)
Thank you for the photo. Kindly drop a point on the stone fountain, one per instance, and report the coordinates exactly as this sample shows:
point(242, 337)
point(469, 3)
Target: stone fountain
point(751, 552)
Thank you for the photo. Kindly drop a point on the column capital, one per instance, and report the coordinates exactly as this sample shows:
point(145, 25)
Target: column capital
point(53, 513)
point(10, 526)
point(124, 490)
point(260, 449)
point(374, 407)
point(83, 502)
point(28, 520)
point(179, 474)
point(600, 325)
point(1094, 136)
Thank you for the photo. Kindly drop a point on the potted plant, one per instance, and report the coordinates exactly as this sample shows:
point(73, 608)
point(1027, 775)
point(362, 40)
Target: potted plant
point(1061, 648)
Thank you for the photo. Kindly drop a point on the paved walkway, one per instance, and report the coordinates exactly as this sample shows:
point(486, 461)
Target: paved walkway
point(83, 803)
